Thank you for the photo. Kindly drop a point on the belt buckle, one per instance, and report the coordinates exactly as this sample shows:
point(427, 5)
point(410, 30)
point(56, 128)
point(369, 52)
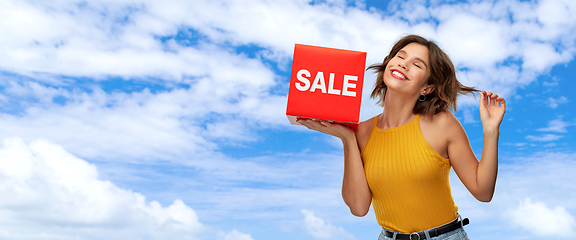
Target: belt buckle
point(414, 233)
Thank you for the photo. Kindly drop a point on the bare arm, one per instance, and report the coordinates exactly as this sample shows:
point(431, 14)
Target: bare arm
point(479, 177)
point(355, 190)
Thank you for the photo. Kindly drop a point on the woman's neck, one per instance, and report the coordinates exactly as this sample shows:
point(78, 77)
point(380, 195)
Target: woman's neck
point(397, 111)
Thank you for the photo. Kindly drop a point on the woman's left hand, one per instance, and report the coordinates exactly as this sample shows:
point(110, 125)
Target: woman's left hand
point(492, 108)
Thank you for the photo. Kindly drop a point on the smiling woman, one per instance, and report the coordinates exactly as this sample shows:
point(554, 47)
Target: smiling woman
point(399, 161)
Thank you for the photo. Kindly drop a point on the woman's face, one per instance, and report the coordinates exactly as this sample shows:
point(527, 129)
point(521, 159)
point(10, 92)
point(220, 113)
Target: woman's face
point(408, 70)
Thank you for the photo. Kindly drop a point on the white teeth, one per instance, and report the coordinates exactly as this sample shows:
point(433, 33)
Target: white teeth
point(398, 74)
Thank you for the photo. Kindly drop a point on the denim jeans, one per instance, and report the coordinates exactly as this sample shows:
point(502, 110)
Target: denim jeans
point(458, 234)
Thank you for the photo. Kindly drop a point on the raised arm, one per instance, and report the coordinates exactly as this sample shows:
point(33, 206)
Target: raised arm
point(355, 190)
point(479, 177)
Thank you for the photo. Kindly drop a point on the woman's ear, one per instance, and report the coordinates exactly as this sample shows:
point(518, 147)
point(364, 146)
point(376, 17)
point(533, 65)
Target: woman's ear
point(428, 89)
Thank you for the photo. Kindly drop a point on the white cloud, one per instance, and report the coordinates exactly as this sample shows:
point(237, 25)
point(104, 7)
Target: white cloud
point(543, 221)
point(141, 124)
point(136, 124)
point(469, 117)
point(58, 39)
point(229, 129)
point(544, 138)
point(552, 12)
point(319, 229)
point(473, 41)
point(54, 195)
point(554, 102)
point(235, 235)
point(556, 125)
point(540, 56)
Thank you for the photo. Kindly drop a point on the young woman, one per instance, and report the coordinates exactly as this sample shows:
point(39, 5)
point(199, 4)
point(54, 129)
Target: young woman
point(400, 160)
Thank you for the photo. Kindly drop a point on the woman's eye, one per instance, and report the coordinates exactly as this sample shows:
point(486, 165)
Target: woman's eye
point(400, 57)
point(418, 66)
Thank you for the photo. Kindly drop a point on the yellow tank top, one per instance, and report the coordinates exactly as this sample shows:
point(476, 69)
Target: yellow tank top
point(409, 180)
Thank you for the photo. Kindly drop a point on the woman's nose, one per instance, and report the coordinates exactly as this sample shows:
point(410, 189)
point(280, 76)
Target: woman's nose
point(402, 64)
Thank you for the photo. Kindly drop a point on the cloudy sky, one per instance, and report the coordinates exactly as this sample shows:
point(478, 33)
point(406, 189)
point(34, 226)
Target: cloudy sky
point(149, 119)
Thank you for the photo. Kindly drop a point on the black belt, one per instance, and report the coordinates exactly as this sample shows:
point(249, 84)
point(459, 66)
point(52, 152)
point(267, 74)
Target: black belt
point(432, 232)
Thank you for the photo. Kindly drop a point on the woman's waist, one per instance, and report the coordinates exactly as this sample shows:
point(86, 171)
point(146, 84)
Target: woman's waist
point(414, 215)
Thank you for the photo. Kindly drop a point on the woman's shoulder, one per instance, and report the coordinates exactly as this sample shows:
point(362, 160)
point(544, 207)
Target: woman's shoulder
point(444, 120)
point(366, 126)
point(441, 129)
point(364, 129)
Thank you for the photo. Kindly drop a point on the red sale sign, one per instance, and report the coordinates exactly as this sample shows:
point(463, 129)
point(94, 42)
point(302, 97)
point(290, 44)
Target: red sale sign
point(326, 84)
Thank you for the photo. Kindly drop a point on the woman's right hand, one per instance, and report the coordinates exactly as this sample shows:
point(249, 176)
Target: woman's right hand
point(334, 129)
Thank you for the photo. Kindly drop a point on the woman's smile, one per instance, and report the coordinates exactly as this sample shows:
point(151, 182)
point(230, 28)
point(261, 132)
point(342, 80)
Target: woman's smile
point(398, 75)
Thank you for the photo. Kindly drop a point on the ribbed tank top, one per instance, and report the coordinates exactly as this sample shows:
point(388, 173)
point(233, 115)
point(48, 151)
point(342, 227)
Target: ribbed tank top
point(409, 180)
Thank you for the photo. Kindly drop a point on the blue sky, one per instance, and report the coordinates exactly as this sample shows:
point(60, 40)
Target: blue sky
point(146, 119)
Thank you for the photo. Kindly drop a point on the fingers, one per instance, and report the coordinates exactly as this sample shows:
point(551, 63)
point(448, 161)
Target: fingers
point(489, 98)
point(483, 98)
point(326, 127)
point(493, 99)
point(313, 124)
point(307, 123)
point(497, 101)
